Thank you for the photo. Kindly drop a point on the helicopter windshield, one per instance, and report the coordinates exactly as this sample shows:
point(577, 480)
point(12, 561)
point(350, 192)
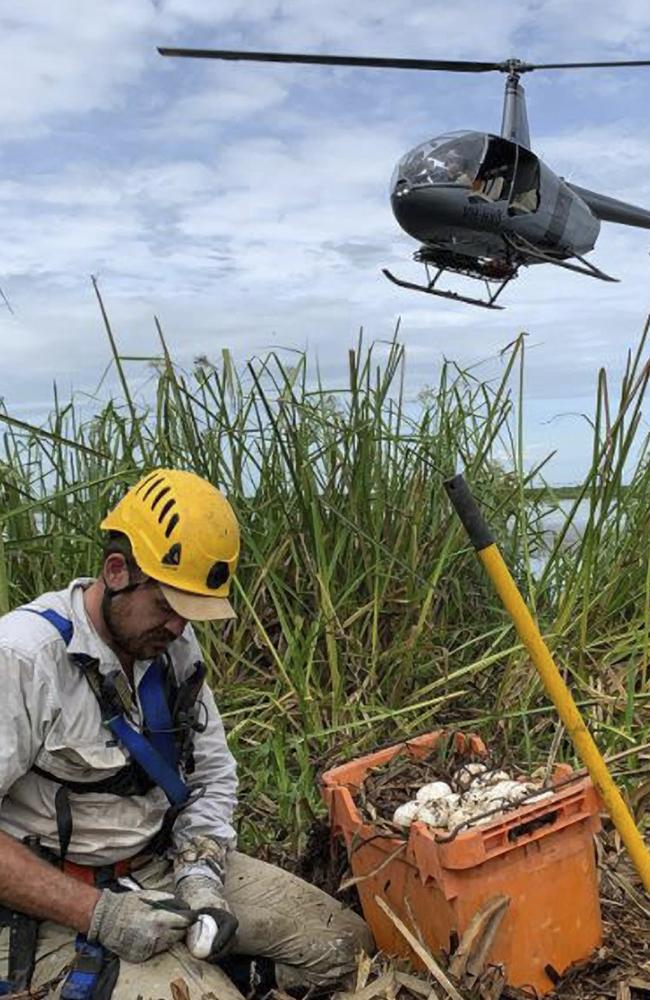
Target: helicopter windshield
point(449, 159)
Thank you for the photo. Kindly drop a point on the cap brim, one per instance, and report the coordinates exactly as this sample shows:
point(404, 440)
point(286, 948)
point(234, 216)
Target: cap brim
point(196, 607)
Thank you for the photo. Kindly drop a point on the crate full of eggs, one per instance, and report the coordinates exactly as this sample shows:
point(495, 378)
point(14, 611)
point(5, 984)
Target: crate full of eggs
point(439, 835)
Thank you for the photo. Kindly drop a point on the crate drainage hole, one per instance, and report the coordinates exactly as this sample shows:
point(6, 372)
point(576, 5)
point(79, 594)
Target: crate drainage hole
point(534, 824)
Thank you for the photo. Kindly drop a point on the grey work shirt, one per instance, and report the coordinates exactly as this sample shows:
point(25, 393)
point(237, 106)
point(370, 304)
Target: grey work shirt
point(49, 716)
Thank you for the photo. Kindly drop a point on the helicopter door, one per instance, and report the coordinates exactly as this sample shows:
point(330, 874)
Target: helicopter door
point(497, 172)
point(524, 198)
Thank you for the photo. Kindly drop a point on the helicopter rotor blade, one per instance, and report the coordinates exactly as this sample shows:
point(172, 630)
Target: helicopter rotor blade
point(525, 67)
point(453, 66)
point(512, 66)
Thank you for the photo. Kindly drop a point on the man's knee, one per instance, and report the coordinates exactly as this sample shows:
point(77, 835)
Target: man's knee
point(310, 936)
point(350, 939)
point(354, 936)
point(329, 958)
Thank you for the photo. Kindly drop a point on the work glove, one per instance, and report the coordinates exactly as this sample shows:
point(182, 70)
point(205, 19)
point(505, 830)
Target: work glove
point(137, 925)
point(212, 933)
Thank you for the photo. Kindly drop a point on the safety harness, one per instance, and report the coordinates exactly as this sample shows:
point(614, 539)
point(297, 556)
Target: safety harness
point(157, 756)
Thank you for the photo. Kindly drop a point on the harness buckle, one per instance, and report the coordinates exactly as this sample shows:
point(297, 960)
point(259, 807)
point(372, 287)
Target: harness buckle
point(87, 966)
point(116, 694)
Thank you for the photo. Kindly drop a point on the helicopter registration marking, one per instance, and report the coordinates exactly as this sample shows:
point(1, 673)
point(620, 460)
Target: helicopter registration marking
point(485, 217)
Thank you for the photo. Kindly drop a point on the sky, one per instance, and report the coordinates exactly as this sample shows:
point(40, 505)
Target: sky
point(247, 206)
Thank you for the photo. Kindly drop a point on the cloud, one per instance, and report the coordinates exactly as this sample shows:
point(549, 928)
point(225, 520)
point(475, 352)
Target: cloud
point(224, 100)
point(59, 60)
point(611, 158)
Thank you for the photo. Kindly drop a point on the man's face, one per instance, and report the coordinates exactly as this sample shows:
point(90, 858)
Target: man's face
point(141, 622)
point(453, 165)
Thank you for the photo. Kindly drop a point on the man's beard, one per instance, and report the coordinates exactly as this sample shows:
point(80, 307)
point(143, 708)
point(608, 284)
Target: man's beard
point(145, 646)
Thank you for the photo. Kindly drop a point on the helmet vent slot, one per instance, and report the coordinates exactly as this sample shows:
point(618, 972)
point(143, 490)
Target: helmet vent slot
point(219, 573)
point(152, 487)
point(159, 496)
point(173, 557)
point(145, 481)
point(173, 521)
point(166, 509)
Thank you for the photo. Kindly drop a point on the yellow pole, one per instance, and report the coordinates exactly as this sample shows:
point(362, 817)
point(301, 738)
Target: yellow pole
point(492, 560)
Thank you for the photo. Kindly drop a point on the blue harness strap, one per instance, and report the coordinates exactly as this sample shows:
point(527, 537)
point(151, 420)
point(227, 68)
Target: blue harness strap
point(157, 755)
point(155, 710)
point(64, 627)
point(158, 769)
point(81, 981)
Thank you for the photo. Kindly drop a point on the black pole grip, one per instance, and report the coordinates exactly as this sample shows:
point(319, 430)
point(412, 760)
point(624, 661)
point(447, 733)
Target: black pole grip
point(468, 511)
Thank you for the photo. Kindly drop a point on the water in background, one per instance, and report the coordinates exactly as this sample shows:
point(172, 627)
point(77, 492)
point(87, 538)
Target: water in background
point(554, 521)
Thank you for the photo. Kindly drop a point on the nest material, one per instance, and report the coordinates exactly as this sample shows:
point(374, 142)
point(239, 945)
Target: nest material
point(397, 781)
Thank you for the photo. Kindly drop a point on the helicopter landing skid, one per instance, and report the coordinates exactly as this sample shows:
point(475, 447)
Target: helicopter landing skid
point(430, 289)
point(534, 255)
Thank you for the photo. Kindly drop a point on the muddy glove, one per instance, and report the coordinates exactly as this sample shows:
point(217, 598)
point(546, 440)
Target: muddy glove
point(137, 925)
point(212, 933)
point(199, 875)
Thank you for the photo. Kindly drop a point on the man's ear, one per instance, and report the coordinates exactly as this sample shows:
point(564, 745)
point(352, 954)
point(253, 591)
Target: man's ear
point(116, 571)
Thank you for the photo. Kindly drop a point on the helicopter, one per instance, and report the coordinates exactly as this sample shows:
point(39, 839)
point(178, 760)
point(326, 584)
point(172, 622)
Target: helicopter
point(482, 205)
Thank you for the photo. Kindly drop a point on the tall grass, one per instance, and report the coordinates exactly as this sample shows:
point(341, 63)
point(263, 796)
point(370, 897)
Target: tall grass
point(363, 615)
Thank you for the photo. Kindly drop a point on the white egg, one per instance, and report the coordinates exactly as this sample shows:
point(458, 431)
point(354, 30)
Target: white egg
point(501, 790)
point(490, 778)
point(432, 816)
point(200, 937)
point(433, 791)
point(458, 817)
point(468, 773)
point(477, 802)
point(521, 791)
point(473, 795)
point(405, 814)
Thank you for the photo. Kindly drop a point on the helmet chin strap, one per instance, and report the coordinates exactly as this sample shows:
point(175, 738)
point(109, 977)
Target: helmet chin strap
point(107, 597)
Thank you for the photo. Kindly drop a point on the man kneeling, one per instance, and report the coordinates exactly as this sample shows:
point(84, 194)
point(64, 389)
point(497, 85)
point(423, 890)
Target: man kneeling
point(117, 788)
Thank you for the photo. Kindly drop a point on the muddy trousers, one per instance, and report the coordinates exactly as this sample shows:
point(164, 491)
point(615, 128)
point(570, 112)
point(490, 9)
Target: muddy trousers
point(311, 937)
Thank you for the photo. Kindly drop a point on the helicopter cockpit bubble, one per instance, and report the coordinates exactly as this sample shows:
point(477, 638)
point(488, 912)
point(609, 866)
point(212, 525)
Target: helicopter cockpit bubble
point(453, 158)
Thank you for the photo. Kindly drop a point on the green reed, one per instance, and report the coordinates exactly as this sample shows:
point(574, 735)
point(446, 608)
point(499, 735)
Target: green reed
point(363, 615)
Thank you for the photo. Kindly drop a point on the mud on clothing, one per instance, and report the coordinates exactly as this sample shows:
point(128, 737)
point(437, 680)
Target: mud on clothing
point(312, 938)
point(50, 718)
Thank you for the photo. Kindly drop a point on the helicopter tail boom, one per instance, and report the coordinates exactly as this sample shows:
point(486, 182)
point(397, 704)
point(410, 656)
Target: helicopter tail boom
point(611, 209)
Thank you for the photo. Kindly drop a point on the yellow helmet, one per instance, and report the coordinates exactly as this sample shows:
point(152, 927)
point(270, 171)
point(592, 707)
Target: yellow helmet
point(185, 535)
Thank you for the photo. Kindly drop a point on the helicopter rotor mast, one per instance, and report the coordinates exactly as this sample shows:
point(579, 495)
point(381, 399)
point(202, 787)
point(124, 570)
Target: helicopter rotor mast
point(514, 120)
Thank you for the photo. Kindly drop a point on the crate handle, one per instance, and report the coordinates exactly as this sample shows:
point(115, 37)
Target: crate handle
point(524, 829)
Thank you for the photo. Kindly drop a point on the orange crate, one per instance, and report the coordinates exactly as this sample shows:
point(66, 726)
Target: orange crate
point(540, 855)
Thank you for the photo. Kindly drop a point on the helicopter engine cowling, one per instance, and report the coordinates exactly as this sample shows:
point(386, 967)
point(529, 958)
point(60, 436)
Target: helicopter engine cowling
point(564, 224)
